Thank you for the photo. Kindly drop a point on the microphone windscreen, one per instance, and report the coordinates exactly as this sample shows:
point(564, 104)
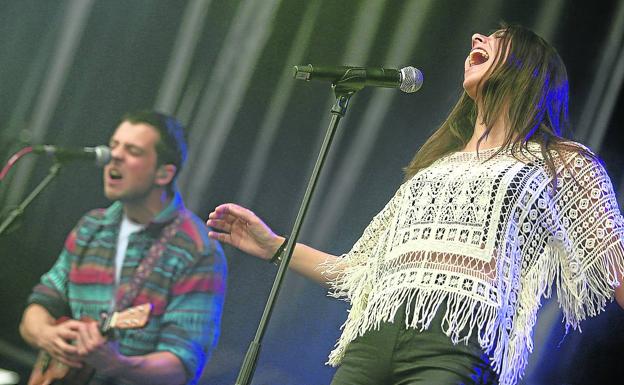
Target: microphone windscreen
point(411, 79)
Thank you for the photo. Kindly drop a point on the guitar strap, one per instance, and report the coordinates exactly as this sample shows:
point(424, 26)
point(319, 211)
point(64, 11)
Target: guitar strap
point(147, 264)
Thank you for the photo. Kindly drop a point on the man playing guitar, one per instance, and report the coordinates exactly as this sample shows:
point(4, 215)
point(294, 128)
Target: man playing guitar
point(145, 248)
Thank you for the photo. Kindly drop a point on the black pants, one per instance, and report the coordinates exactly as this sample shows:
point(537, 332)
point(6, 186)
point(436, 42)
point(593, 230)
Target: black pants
point(395, 355)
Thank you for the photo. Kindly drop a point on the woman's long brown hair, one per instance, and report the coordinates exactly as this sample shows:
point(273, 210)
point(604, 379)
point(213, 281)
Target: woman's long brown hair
point(530, 85)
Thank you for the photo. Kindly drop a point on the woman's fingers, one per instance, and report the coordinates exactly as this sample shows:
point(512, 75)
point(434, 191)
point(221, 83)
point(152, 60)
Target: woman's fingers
point(230, 217)
point(221, 237)
point(239, 227)
point(231, 210)
point(219, 224)
point(230, 213)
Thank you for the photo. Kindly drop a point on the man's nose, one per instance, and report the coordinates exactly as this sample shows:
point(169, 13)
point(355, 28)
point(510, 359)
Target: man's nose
point(116, 152)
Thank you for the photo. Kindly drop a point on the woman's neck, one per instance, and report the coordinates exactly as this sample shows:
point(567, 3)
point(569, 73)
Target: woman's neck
point(495, 138)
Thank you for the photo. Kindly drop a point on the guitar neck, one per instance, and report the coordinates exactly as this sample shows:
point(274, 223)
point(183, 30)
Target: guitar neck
point(105, 324)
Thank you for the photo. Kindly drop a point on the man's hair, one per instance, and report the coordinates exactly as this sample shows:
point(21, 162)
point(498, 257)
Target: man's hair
point(528, 80)
point(171, 147)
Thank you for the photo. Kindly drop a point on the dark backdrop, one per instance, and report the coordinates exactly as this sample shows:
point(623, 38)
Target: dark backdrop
point(70, 68)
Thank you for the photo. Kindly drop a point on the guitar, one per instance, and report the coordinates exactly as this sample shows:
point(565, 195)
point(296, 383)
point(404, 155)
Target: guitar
point(48, 371)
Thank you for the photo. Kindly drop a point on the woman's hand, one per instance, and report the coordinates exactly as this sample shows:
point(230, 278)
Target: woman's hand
point(241, 228)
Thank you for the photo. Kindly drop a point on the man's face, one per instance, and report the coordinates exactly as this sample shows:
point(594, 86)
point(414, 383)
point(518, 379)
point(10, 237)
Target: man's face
point(131, 175)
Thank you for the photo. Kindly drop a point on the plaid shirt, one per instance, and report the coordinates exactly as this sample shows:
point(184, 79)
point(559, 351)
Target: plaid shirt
point(186, 286)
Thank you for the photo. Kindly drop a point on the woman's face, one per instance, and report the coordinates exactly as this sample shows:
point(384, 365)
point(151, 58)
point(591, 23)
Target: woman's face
point(479, 62)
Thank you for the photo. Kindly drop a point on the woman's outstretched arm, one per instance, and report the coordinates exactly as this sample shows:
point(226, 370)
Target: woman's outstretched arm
point(241, 228)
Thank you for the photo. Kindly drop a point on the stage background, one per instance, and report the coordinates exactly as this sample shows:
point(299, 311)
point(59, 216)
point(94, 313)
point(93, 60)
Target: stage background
point(70, 68)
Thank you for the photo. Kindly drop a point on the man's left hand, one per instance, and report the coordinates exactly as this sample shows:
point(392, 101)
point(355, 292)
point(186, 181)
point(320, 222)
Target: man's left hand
point(95, 350)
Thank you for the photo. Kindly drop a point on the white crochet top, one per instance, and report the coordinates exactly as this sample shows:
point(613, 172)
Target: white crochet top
point(487, 236)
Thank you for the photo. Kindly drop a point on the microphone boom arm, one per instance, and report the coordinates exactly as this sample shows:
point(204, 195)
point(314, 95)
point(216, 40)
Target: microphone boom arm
point(19, 210)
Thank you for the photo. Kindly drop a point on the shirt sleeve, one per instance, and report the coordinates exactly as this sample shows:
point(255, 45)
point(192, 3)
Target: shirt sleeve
point(354, 268)
point(191, 320)
point(590, 235)
point(51, 291)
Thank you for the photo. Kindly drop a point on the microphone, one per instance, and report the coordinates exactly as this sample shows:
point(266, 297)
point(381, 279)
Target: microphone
point(408, 79)
point(100, 154)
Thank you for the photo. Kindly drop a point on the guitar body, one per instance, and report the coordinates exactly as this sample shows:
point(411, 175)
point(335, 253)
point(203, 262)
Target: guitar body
point(49, 371)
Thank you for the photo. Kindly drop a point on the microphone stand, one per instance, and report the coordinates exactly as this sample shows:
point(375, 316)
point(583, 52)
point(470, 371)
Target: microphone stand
point(19, 210)
point(343, 90)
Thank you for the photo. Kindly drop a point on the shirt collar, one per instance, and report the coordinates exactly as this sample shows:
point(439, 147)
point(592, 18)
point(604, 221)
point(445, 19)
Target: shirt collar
point(114, 213)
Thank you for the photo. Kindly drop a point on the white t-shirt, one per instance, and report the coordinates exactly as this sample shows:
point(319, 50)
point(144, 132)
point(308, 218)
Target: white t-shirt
point(127, 228)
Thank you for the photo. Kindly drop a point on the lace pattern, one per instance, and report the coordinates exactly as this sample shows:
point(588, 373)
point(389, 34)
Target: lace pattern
point(486, 236)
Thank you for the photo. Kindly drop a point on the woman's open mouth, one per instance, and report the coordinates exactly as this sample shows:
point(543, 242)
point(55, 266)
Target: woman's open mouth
point(478, 56)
